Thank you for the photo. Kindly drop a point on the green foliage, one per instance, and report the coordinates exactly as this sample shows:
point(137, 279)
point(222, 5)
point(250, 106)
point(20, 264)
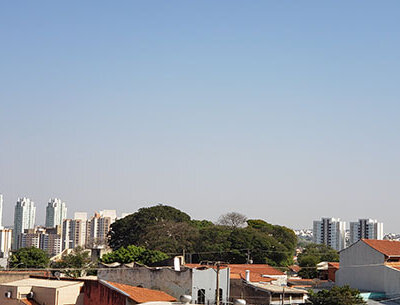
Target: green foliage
point(309, 267)
point(75, 264)
point(171, 237)
point(169, 230)
point(312, 255)
point(29, 258)
point(134, 254)
point(336, 296)
point(133, 229)
point(322, 252)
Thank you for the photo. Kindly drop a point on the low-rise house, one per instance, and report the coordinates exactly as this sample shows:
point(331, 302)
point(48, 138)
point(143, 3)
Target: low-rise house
point(198, 281)
point(41, 292)
point(371, 265)
point(293, 270)
point(109, 293)
point(327, 270)
point(262, 284)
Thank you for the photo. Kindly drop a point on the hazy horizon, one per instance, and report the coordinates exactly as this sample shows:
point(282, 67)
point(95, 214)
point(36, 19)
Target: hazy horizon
point(285, 111)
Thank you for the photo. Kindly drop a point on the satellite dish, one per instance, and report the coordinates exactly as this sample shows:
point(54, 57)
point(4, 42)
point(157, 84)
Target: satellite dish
point(57, 274)
point(239, 302)
point(185, 299)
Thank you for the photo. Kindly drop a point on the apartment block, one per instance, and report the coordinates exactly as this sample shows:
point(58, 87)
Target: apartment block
point(98, 227)
point(24, 218)
point(73, 233)
point(48, 240)
point(365, 229)
point(56, 212)
point(330, 232)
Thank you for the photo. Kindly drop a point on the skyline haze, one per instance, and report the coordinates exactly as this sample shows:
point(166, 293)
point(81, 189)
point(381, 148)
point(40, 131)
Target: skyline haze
point(275, 110)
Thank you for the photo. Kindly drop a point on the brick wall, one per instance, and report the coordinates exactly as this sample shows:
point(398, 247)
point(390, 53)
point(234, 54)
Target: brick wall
point(98, 294)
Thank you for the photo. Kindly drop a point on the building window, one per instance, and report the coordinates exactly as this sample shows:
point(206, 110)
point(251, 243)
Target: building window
point(201, 296)
point(220, 295)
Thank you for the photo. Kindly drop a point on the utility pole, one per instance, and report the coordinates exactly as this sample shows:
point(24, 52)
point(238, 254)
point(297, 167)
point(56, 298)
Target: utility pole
point(283, 295)
point(218, 264)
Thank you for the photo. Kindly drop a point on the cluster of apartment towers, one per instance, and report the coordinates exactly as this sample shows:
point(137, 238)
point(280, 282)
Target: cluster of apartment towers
point(332, 232)
point(59, 232)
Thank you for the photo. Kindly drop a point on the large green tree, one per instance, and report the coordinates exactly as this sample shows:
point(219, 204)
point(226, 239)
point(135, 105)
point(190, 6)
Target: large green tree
point(171, 231)
point(29, 258)
point(133, 229)
point(337, 296)
point(134, 254)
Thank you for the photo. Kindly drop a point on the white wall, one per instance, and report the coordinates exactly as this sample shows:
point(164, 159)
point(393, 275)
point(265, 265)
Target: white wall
point(207, 279)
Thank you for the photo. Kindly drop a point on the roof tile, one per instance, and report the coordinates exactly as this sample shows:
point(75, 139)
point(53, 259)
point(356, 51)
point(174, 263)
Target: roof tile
point(141, 295)
point(386, 247)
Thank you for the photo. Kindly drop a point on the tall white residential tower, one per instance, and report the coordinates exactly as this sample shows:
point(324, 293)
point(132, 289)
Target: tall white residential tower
point(24, 218)
point(331, 232)
point(56, 212)
point(365, 228)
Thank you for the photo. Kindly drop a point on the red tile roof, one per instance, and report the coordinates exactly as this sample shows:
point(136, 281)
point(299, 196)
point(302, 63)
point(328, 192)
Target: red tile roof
point(29, 302)
point(141, 295)
point(334, 265)
point(294, 268)
point(263, 269)
point(386, 247)
point(258, 272)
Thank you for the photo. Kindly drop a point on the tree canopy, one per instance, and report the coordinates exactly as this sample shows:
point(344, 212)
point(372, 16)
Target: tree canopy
point(232, 219)
point(134, 228)
point(312, 255)
point(29, 258)
point(134, 254)
point(75, 264)
point(336, 296)
point(172, 231)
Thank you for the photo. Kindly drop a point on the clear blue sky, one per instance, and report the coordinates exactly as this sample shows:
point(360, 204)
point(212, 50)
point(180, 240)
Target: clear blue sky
point(281, 110)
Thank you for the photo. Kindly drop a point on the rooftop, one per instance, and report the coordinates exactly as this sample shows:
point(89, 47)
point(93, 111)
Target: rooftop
point(42, 283)
point(258, 272)
point(278, 289)
point(386, 247)
point(140, 295)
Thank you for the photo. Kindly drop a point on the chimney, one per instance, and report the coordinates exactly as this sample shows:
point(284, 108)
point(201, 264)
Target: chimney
point(177, 263)
point(247, 275)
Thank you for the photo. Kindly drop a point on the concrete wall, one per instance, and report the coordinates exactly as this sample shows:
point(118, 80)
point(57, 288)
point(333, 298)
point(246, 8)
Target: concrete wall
point(392, 281)
point(44, 295)
point(362, 267)
point(207, 279)
point(70, 295)
point(175, 283)
point(360, 254)
point(239, 290)
point(365, 278)
point(11, 276)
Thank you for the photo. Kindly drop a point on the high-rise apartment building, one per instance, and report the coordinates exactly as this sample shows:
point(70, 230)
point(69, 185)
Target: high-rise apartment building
point(56, 212)
point(330, 232)
point(365, 228)
point(5, 242)
point(47, 239)
point(73, 233)
point(98, 227)
point(24, 218)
